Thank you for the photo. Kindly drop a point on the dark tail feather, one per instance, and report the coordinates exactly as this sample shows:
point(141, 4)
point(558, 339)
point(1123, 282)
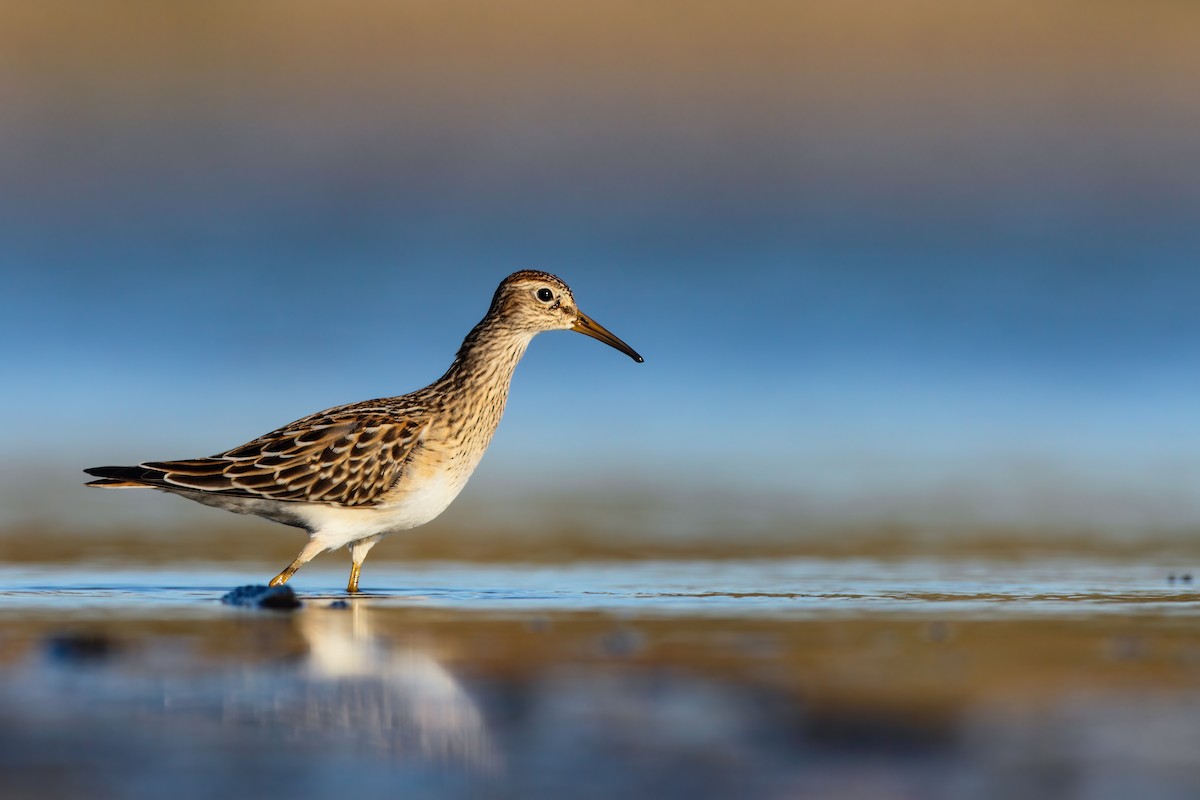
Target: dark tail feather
point(125, 476)
point(113, 483)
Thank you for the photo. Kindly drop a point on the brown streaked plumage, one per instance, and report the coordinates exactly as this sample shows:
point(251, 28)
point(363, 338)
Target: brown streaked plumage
point(351, 474)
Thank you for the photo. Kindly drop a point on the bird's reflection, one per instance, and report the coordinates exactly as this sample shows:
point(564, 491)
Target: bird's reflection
point(357, 688)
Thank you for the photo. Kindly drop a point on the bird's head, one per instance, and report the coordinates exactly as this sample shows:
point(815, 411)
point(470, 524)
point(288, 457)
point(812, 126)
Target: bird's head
point(535, 301)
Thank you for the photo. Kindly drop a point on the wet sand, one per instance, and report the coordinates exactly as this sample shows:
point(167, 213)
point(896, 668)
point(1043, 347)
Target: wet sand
point(773, 678)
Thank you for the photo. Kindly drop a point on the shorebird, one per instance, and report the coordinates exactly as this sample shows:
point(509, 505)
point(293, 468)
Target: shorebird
point(354, 473)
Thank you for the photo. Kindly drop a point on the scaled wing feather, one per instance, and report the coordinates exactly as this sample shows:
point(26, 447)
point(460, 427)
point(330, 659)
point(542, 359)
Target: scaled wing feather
point(349, 461)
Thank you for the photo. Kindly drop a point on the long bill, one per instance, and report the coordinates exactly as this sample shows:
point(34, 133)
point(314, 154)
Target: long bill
point(589, 327)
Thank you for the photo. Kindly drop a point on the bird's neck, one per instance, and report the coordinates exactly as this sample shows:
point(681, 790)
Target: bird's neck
point(483, 368)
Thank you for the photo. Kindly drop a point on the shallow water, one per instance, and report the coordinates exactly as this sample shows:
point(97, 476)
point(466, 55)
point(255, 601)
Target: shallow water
point(830, 678)
point(793, 587)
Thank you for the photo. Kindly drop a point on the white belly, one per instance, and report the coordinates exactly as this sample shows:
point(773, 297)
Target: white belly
point(336, 527)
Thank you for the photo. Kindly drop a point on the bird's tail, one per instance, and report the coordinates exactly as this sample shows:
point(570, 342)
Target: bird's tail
point(124, 477)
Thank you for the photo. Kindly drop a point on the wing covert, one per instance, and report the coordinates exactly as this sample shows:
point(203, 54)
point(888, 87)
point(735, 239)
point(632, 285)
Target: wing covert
point(350, 461)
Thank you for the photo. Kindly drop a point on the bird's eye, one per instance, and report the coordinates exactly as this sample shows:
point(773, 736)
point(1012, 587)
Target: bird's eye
point(545, 295)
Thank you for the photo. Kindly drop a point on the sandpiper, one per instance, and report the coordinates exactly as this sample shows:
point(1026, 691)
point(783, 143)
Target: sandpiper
point(352, 474)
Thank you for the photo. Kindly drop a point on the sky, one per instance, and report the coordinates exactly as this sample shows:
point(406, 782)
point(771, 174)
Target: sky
point(869, 249)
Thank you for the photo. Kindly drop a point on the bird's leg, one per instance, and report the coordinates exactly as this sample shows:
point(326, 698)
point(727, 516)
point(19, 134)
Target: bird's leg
point(358, 552)
point(306, 555)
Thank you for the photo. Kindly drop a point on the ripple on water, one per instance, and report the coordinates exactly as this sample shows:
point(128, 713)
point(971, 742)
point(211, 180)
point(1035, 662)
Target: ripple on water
point(794, 586)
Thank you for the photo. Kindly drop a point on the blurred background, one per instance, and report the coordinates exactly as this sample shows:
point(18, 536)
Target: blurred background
point(924, 266)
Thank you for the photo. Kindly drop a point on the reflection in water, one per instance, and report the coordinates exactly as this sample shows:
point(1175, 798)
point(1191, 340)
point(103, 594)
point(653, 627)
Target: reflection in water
point(740, 694)
point(396, 699)
point(307, 701)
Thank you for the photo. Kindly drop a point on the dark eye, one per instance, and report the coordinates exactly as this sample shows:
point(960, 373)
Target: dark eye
point(545, 295)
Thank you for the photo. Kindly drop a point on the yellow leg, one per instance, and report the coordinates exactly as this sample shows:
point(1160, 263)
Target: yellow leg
point(282, 578)
point(306, 555)
point(358, 553)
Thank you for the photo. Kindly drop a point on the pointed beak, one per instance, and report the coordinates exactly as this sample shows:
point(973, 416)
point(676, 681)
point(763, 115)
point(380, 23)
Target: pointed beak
point(586, 325)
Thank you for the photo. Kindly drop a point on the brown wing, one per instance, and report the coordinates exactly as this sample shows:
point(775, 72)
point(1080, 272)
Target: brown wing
point(349, 461)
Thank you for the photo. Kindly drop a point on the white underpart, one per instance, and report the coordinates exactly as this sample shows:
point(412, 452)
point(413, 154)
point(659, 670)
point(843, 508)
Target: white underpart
point(337, 526)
